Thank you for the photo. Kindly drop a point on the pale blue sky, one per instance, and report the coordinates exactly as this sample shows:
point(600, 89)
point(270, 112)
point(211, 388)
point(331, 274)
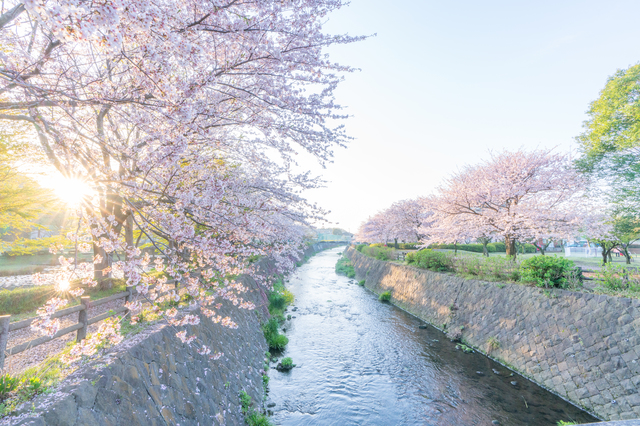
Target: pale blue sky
point(444, 82)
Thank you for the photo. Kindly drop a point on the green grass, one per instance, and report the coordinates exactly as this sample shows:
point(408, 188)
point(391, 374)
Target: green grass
point(385, 296)
point(584, 262)
point(287, 362)
point(345, 267)
point(26, 265)
point(23, 303)
point(36, 380)
point(361, 282)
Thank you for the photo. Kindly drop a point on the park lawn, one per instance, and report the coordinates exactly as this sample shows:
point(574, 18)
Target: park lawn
point(584, 262)
point(30, 264)
point(22, 303)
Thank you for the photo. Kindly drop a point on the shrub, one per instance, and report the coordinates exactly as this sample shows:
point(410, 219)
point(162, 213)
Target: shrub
point(408, 246)
point(476, 248)
point(345, 267)
point(287, 362)
point(617, 277)
point(359, 247)
point(546, 271)
point(385, 296)
point(361, 282)
point(432, 260)
point(497, 247)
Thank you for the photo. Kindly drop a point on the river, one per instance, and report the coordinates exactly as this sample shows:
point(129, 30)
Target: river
point(363, 362)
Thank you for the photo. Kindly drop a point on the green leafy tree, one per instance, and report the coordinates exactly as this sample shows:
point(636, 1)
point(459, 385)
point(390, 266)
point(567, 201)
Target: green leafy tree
point(24, 205)
point(626, 229)
point(614, 118)
point(610, 142)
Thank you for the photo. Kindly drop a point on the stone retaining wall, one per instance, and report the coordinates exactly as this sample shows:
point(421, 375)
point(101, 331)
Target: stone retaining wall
point(154, 379)
point(584, 347)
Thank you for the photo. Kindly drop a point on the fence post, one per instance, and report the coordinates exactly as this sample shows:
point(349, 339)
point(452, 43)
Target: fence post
point(4, 337)
point(83, 319)
point(127, 299)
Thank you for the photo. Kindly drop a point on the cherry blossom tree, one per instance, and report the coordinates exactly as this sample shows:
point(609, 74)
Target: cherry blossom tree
point(515, 196)
point(401, 221)
point(375, 229)
point(185, 117)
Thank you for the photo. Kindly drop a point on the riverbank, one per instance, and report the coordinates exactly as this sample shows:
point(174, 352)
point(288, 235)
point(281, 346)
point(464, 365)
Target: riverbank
point(583, 347)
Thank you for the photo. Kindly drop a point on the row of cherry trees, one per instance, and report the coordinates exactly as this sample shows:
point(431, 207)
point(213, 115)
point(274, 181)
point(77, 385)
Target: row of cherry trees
point(185, 117)
point(528, 196)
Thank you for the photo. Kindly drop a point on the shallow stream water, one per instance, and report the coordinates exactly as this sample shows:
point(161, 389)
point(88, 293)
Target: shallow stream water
point(363, 362)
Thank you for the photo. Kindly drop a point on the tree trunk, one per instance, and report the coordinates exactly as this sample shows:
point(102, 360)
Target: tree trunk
point(510, 247)
point(485, 251)
point(104, 280)
point(604, 254)
point(455, 248)
point(609, 255)
point(395, 243)
point(627, 255)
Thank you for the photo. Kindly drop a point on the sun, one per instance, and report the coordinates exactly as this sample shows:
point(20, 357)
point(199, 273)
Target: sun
point(72, 191)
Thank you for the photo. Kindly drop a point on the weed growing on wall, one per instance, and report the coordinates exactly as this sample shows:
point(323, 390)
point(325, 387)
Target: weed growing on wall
point(492, 344)
point(274, 339)
point(279, 298)
point(252, 416)
point(466, 349)
point(345, 267)
point(385, 296)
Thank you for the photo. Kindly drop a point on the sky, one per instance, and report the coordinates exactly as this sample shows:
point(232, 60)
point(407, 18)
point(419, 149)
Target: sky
point(443, 83)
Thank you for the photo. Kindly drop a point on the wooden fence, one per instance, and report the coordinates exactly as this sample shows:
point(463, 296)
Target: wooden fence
point(6, 326)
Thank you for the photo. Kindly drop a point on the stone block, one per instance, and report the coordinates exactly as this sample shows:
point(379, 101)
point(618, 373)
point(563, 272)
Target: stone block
point(63, 413)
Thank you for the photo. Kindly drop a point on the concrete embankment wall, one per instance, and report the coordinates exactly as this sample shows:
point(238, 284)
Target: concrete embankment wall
point(583, 347)
point(320, 246)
